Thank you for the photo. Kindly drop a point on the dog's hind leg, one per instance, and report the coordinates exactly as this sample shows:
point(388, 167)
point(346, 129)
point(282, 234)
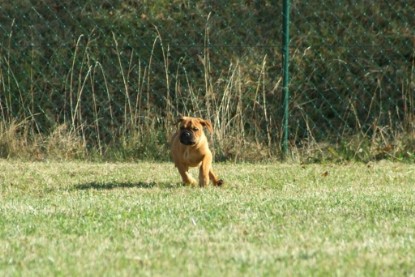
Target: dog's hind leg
point(216, 181)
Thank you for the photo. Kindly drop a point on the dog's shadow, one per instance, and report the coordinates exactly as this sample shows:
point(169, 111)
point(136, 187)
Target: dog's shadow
point(124, 185)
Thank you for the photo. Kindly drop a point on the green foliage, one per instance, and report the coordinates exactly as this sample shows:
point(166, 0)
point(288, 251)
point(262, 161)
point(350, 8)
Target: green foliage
point(115, 72)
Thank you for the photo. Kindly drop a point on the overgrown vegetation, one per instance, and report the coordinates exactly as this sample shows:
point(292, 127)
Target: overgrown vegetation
point(106, 79)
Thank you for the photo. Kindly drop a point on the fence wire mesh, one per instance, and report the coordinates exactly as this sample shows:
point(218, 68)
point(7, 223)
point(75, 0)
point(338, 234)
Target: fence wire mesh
point(108, 78)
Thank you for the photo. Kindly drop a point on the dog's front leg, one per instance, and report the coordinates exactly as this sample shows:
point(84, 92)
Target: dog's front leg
point(187, 179)
point(204, 172)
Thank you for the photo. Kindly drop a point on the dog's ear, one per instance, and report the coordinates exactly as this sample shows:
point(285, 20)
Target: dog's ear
point(207, 124)
point(180, 119)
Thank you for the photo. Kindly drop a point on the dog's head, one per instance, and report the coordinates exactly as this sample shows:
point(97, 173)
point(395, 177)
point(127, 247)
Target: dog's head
point(191, 129)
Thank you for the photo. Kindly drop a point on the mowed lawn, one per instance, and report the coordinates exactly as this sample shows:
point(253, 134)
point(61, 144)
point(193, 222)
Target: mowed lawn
point(135, 219)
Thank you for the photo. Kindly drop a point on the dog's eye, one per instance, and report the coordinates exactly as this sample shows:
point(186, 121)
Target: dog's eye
point(195, 129)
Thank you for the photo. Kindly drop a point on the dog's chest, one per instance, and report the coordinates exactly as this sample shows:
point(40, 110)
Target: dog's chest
point(192, 159)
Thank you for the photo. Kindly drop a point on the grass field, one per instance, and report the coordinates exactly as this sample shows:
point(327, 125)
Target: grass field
point(126, 219)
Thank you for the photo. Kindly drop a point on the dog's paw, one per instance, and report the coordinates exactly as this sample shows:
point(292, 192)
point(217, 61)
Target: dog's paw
point(191, 182)
point(220, 182)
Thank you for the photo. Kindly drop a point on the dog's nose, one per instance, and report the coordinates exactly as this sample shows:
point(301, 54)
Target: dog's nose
point(186, 135)
point(186, 138)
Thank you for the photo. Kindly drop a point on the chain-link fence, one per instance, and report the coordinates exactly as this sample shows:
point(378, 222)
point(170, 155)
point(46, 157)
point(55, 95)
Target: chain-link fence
point(353, 70)
point(110, 77)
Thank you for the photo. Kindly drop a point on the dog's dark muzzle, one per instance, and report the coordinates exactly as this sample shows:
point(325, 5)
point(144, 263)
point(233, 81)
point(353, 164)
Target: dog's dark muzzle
point(187, 138)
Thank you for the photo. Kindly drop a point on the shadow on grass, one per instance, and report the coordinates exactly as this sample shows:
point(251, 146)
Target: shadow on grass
point(118, 185)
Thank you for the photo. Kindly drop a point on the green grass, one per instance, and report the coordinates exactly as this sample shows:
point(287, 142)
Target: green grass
point(126, 219)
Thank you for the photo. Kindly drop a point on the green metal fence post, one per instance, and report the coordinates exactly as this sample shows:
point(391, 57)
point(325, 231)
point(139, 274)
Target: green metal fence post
point(285, 65)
